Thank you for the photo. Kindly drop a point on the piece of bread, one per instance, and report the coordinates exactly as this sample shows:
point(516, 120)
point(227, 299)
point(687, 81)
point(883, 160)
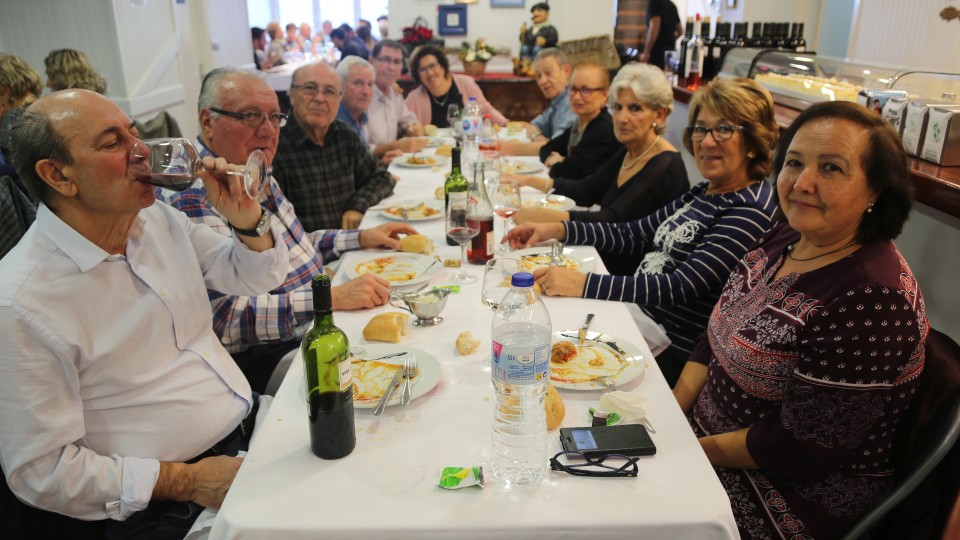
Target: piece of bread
point(439, 193)
point(386, 327)
point(562, 352)
point(416, 243)
point(466, 344)
point(444, 150)
point(430, 130)
point(514, 127)
point(452, 263)
point(555, 409)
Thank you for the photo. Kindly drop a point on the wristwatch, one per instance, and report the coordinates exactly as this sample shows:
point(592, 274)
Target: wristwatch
point(261, 229)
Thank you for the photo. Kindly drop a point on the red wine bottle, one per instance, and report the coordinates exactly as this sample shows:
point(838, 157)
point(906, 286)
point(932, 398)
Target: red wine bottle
point(326, 363)
point(481, 247)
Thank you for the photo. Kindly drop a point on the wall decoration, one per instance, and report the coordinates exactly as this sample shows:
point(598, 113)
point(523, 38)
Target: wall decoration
point(452, 20)
point(507, 3)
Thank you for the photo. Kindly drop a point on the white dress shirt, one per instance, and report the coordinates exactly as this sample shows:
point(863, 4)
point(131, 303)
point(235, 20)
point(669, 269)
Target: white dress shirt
point(109, 364)
point(385, 116)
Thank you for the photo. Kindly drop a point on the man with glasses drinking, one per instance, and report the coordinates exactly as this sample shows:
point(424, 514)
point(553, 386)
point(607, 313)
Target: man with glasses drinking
point(322, 165)
point(391, 125)
point(238, 114)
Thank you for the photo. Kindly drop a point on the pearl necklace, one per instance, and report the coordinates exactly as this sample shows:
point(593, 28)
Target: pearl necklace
point(631, 163)
point(838, 250)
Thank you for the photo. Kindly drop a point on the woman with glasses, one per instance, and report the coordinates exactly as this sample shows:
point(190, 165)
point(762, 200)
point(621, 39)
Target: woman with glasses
point(439, 89)
point(686, 249)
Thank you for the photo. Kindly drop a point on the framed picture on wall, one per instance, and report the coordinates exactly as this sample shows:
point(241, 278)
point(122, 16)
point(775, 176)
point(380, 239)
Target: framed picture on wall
point(507, 3)
point(452, 20)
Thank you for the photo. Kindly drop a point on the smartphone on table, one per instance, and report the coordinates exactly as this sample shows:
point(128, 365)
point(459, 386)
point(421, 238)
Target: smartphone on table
point(628, 439)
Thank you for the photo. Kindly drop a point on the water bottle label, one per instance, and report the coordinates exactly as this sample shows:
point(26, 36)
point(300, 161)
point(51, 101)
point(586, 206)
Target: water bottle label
point(520, 365)
point(471, 124)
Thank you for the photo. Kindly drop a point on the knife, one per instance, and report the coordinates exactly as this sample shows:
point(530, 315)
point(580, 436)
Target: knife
point(394, 382)
point(612, 344)
point(582, 333)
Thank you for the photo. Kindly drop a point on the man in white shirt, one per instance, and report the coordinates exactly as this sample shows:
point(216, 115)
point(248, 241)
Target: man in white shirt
point(391, 125)
point(115, 389)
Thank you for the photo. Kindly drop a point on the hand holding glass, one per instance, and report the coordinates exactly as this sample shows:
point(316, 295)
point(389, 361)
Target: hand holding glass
point(175, 163)
point(459, 213)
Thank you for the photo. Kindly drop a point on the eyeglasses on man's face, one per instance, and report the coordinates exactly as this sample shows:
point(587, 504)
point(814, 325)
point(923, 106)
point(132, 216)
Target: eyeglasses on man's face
point(254, 119)
point(311, 90)
point(608, 465)
point(388, 60)
point(721, 132)
point(584, 91)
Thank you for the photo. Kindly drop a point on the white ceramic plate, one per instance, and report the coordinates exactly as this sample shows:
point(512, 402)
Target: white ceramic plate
point(426, 379)
point(428, 161)
point(417, 210)
point(398, 268)
point(433, 142)
point(539, 257)
point(520, 167)
point(554, 202)
point(621, 362)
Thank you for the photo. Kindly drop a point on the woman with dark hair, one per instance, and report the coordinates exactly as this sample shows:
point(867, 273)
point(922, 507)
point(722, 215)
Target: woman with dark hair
point(815, 348)
point(439, 88)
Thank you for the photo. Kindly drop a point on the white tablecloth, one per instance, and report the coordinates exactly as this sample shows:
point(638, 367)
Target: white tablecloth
point(388, 486)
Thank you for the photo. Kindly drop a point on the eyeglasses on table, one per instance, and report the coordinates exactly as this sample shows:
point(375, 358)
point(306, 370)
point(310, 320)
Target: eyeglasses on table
point(607, 465)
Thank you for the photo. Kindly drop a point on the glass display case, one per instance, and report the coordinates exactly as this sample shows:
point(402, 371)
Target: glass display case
point(810, 78)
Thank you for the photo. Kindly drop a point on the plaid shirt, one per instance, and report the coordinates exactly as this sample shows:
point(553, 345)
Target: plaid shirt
point(286, 312)
point(325, 181)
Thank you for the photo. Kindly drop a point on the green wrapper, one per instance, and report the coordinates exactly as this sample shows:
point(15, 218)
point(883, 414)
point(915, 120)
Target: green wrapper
point(461, 477)
point(612, 418)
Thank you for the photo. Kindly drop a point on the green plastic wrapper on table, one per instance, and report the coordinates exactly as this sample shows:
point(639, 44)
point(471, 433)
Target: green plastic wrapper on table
point(461, 477)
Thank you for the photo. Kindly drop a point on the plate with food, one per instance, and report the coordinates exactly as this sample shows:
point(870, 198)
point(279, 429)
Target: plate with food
point(419, 161)
point(601, 357)
point(439, 140)
point(397, 268)
point(553, 202)
point(539, 257)
point(372, 374)
point(418, 210)
point(519, 167)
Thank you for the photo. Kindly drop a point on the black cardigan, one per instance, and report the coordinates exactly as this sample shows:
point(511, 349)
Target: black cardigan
point(596, 146)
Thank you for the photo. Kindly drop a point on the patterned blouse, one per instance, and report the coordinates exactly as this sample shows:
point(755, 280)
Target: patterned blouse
point(821, 367)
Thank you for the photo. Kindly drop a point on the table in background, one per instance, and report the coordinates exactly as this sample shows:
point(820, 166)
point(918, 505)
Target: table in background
point(388, 486)
point(518, 98)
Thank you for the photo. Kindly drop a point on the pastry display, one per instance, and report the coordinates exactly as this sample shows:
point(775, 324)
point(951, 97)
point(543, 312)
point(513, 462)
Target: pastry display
point(809, 87)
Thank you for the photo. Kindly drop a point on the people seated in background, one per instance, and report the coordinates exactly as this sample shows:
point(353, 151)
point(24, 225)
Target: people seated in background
point(636, 181)
point(347, 44)
point(20, 85)
point(259, 329)
point(356, 80)
point(322, 165)
point(552, 70)
point(391, 126)
point(310, 42)
point(815, 349)
point(438, 89)
point(293, 41)
point(686, 249)
point(540, 35)
point(589, 142)
point(259, 39)
point(116, 389)
point(67, 68)
point(383, 22)
point(276, 48)
point(365, 34)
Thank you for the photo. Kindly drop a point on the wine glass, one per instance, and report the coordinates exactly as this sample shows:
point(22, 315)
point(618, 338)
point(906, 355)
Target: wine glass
point(458, 227)
point(174, 164)
point(496, 280)
point(453, 119)
point(506, 202)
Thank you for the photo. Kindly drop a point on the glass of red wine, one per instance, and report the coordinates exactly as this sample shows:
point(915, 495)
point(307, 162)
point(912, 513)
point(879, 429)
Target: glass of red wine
point(173, 163)
point(506, 202)
point(461, 228)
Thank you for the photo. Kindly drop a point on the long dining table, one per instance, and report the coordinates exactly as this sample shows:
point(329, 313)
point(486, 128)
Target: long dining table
point(388, 487)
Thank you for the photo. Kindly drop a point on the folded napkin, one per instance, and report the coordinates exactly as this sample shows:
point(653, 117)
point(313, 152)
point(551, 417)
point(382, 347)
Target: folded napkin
point(629, 405)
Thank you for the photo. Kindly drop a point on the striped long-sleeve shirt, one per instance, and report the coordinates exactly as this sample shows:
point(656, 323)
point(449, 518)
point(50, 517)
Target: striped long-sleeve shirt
point(286, 312)
point(688, 249)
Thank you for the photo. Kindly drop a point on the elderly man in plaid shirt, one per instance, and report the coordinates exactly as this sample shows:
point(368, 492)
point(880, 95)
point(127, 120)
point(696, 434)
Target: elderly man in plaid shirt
point(323, 166)
point(238, 114)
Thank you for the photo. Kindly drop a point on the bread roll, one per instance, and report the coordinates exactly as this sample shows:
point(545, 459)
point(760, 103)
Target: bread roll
point(555, 409)
point(386, 327)
point(430, 130)
point(439, 193)
point(514, 127)
point(444, 150)
point(466, 344)
point(416, 243)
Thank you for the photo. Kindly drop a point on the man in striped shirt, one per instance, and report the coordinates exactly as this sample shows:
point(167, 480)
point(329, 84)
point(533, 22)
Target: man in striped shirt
point(239, 113)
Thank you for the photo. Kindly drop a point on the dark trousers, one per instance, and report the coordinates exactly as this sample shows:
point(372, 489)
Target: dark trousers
point(257, 363)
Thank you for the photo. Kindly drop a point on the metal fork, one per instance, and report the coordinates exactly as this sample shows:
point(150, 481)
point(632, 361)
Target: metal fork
point(605, 382)
point(409, 371)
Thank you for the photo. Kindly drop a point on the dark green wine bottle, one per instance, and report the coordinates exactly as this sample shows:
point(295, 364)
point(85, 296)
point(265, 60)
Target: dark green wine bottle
point(455, 186)
point(326, 363)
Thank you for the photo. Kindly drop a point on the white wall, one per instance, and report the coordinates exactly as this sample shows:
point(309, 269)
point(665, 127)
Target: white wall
point(501, 26)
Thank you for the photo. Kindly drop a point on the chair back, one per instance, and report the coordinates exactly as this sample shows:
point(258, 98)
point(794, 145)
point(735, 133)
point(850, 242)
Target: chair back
point(920, 502)
point(16, 214)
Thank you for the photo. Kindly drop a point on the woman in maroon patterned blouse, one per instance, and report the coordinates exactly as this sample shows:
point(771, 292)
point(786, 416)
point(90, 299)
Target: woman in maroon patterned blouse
point(815, 348)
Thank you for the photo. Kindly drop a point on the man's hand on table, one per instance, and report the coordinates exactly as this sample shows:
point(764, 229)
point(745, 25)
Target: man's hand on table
point(365, 292)
point(386, 236)
point(389, 156)
point(411, 145)
point(351, 219)
point(556, 281)
point(530, 234)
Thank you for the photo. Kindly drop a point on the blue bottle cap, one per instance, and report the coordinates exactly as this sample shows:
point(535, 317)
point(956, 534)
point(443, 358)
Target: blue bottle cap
point(522, 279)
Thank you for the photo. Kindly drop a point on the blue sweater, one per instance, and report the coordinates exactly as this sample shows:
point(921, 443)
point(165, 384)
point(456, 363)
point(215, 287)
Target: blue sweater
point(688, 249)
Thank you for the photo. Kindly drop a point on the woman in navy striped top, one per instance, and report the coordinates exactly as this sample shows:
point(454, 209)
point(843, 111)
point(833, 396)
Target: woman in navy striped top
point(688, 248)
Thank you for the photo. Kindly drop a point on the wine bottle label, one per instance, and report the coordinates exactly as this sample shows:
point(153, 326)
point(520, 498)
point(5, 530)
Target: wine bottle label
point(490, 241)
point(346, 375)
point(458, 196)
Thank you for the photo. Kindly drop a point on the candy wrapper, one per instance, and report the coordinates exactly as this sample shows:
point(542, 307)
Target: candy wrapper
point(461, 477)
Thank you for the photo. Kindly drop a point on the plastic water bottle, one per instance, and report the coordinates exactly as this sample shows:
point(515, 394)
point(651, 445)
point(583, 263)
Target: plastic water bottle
point(520, 369)
point(471, 120)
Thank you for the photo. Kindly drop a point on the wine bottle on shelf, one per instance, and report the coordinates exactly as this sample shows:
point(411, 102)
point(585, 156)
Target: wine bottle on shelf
point(801, 45)
point(756, 38)
point(766, 41)
point(455, 186)
point(707, 49)
point(739, 35)
point(780, 41)
point(721, 43)
point(694, 67)
point(480, 249)
point(682, 60)
point(329, 382)
point(792, 40)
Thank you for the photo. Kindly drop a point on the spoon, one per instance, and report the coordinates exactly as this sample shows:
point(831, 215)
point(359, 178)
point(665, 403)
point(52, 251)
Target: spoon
point(546, 197)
